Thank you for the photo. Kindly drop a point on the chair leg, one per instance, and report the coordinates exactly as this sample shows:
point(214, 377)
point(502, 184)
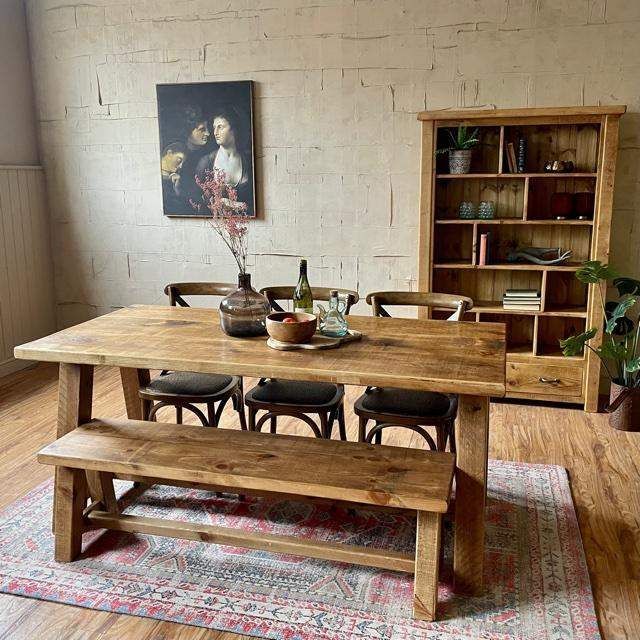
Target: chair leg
point(252, 418)
point(378, 437)
point(341, 424)
point(71, 497)
point(239, 407)
point(452, 436)
point(441, 436)
point(362, 428)
point(178, 414)
point(146, 409)
point(273, 424)
point(211, 414)
point(324, 425)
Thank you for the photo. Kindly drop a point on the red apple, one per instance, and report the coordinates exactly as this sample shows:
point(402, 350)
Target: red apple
point(289, 320)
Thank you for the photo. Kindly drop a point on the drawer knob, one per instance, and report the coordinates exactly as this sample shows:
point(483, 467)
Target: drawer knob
point(549, 380)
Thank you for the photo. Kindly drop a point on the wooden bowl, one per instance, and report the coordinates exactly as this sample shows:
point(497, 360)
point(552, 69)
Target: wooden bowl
point(297, 332)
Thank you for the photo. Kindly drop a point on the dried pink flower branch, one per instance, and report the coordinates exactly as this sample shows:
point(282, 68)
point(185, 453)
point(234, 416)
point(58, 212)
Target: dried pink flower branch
point(228, 220)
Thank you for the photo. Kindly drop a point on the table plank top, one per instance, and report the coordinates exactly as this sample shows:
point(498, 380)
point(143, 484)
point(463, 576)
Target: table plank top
point(428, 355)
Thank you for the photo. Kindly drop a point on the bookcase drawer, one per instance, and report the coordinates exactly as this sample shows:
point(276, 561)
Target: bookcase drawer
point(545, 379)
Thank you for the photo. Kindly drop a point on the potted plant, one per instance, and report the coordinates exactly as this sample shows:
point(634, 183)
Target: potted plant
point(620, 347)
point(463, 143)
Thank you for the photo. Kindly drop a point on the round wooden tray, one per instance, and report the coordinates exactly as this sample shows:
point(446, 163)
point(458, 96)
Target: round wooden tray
point(317, 342)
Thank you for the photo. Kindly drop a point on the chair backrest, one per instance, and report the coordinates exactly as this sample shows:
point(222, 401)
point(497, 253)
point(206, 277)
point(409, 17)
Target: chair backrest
point(275, 294)
point(459, 304)
point(175, 290)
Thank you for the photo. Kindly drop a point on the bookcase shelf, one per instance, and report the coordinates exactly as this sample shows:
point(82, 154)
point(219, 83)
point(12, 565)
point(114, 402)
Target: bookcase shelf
point(546, 174)
point(524, 206)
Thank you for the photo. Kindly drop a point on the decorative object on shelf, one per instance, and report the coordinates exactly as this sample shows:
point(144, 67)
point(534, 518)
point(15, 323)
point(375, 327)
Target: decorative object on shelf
point(486, 210)
point(620, 347)
point(461, 149)
point(561, 205)
point(539, 255)
point(203, 126)
point(332, 322)
point(318, 341)
point(522, 300)
point(559, 166)
point(521, 157)
point(583, 204)
point(467, 211)
point(243, 313)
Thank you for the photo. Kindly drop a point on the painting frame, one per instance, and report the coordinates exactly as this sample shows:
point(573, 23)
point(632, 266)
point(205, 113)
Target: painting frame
point(206, 126)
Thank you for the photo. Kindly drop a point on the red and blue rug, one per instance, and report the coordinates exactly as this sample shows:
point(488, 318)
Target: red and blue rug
point(537, 585)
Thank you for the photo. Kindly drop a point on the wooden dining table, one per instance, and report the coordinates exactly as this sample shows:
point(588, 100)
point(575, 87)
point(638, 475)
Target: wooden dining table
point(463, 358)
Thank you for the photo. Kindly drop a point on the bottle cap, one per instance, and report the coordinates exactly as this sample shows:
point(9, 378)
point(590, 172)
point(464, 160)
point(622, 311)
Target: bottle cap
point(303, 261)
point(334, 292)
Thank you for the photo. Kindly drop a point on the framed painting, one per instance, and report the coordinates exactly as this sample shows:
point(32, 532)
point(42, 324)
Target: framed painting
point(206, 146)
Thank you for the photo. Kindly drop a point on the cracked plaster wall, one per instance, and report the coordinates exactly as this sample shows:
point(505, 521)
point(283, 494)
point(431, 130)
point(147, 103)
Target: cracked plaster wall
point(338, 85)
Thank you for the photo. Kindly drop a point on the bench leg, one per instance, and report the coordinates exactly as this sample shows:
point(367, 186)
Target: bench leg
point(425, 588)
point(101, 488)
point(70, 500)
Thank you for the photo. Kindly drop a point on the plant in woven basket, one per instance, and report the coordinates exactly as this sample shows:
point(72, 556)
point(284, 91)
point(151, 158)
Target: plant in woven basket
point(619, 349)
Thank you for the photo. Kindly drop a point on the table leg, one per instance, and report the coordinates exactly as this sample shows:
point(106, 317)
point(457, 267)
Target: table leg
point(75, 396)
point(472, 443)
point(132, 380)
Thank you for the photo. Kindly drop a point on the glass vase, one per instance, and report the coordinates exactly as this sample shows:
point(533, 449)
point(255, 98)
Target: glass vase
point(243, 313)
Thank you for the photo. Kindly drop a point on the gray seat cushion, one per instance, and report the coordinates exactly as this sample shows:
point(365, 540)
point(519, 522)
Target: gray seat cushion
point(294, 392)
point(418, 404)
point(187, 383)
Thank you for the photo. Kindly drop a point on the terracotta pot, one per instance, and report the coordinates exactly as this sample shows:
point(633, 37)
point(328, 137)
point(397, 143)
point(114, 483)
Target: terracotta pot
point(460, 160)
point(624, 408)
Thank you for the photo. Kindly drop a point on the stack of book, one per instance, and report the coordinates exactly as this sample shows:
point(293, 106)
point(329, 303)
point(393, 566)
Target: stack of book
point(521, 300)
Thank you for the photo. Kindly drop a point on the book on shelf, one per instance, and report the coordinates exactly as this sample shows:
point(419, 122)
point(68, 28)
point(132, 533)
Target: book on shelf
point(484, 249)
point(522, 300)
point(521, 307)
point(511, 158)
point(522, 293)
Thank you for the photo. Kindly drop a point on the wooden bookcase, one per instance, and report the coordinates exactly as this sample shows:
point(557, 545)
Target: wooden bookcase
point(448, 246)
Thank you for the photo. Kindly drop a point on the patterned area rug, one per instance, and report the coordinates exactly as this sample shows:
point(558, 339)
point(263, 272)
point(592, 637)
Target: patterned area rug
point(537, 582)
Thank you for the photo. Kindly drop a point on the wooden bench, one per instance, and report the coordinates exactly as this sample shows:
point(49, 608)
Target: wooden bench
point(91, 456)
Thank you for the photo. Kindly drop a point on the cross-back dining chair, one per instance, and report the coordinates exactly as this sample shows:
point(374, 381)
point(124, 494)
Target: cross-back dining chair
point(297, 398)
point(406, 408)
point(184, 389)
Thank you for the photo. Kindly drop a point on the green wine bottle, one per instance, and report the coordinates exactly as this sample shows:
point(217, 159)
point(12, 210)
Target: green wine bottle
point(302, 297)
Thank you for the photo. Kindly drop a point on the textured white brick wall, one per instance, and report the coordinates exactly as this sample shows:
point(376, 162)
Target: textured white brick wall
point(338, 84)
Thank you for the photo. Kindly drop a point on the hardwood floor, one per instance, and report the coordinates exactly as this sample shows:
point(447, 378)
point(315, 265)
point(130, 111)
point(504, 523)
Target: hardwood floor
point(604, 468)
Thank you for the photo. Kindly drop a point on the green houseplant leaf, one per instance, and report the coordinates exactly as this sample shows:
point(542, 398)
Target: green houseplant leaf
point(618, 313)
point(574, 345)
point(627, 286)
point(461, 140)
point(593, 271)
point(624, 325)
point(633, 365)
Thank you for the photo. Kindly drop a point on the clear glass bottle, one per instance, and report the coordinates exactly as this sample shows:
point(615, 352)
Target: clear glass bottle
point(243, 313)
point(333, 323)
point(302, 296)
